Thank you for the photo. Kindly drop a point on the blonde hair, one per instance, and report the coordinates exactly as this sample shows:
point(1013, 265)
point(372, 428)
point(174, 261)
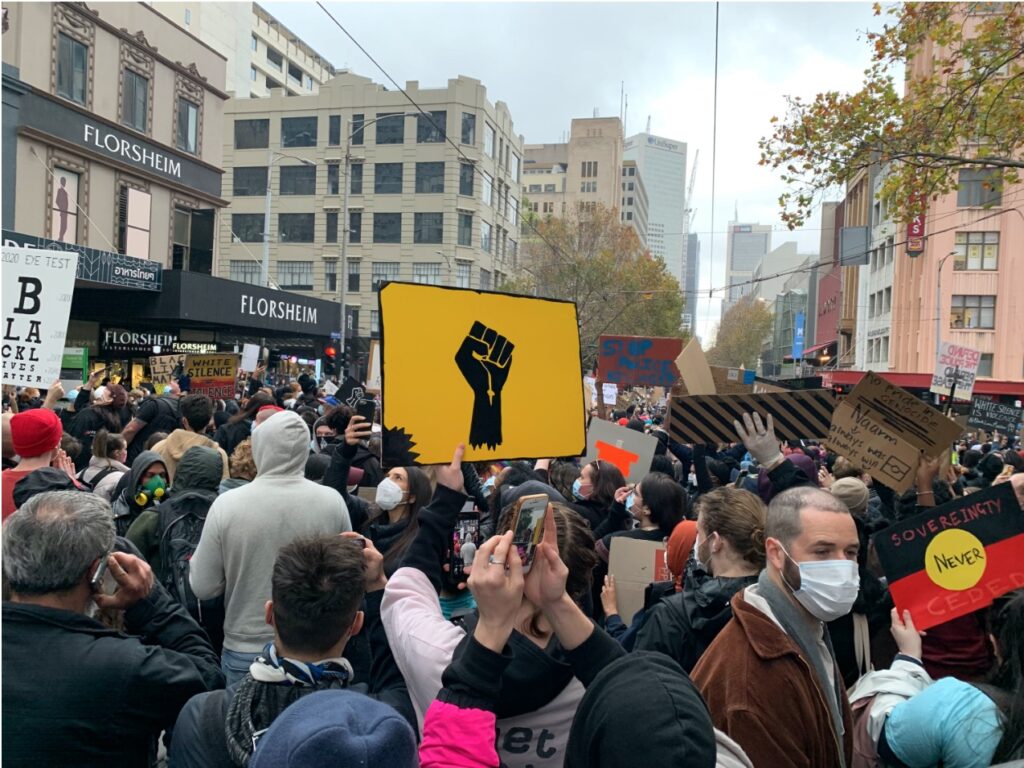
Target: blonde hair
point(241, 462)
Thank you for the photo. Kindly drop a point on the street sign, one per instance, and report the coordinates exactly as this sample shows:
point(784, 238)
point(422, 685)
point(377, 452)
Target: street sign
point(336, 335)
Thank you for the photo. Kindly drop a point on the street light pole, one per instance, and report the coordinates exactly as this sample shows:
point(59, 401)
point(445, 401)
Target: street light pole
point(265, 266)
point(343, 266)
point(938, 305)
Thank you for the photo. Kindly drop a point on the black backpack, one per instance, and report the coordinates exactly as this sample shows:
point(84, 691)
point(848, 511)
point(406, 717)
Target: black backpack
point(180, 525)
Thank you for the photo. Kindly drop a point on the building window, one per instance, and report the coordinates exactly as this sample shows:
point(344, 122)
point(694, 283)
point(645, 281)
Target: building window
point(466, 229)
point(356, 184)
point(514, 168)
point(485, 280)
point(333, 178)
point(973, 312)
point(430, 177)
point(534, 189)
point(294, 73)
point(133, 217)
point(297, 275)
point(390, 128)
point(64, 206)
point(297, 180)
point(374, 323)
point(548, 208)
point(192, 239)
point(427, 274)
point(488, 140)
point(72, 68)
point(513, 250)
point(387, 178)
point(188, 126)
point(985, 365)
point(629, 215)
point(247, 227)
point(334, 130)
point(463, 270)
point(976, 250)
point(308, 82)
point(428, 228)
point(387, 227)
point(468, 128)
point(331, 235)
point(588, 186)
point(254, 43)
point(357, 129)
point(589, 169)
point(275, 58)
point(298, 131)
point(330, 275)
point(252, 73)
point(353, 276)
point(355, 226)
point(247, 271)
point(549, 188)
point(978, 188)
point(135, 100)
point(252, 134)
point(630, 187)
point(430, 127)
point(296, 227)
point(188, 17)
point(466, 179)
point(485, 236)
point(384, 271)
point(488, 193)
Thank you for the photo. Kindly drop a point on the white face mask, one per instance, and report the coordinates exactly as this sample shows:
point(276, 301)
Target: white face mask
point(828, 588)
point(389, 494)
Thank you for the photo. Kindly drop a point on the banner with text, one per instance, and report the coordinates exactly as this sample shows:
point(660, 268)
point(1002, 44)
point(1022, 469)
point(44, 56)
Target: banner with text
point(957, 558)
point(163, 368)
point(955, 362)
point(993, 416)
point(37, 290)
point(213, 375)
point(640, 361)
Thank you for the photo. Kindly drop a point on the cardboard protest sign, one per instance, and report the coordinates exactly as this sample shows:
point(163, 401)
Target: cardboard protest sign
point(163, 368)
point(330, 388)
point(709, 418)
point(959, 362)
point(627, 449)
point(37, 290)
point(695, 373)
point(373, 370)
point(590, 391)
point(250, 357)
point(635, 563)
point(609, 393)
point(498, 372)
point(732, 381)
point(994, 416)
point(954, 559)
point(640, 361)
point(883, 429)
point(212, 375)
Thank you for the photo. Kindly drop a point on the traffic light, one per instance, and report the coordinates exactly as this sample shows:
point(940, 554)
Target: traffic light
point(343, 361)
point(330, 354)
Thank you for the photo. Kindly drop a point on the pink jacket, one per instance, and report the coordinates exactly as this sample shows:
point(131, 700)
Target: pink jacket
point(454, 737)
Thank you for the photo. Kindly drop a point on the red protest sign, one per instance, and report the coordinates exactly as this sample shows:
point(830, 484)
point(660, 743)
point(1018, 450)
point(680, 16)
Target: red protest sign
point(640, 361)
point(957, 558)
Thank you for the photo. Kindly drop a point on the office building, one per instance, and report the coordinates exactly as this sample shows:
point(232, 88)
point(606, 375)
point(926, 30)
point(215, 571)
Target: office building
point(262, 54)
point(662, 164)
point(432, 198)
point(635, 204)
point(691, 291)
point(746, 246)
point(874, 321)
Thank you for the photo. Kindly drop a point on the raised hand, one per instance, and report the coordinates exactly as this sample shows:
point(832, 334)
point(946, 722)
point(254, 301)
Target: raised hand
point(496, 582)
point(134, 580)
point(358, 429)
point(759, 439)
point(485, 359)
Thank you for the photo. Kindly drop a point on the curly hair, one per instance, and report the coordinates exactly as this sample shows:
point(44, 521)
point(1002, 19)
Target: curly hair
point(242, 463)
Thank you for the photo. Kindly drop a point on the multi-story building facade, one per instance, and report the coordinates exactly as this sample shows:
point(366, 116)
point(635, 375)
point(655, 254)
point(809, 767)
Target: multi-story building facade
point(874, 319)
point(776, 268)
point(854, 237)
point(113, 139)
point(662, 163)
point(635, 205)
point(432, 198)
point(262, 54)
point(746, 246)
point(691, 291)
point(587, 170)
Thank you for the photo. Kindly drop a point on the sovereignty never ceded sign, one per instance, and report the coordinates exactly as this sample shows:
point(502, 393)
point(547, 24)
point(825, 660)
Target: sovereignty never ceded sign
point(498, 372)
point(957, 558)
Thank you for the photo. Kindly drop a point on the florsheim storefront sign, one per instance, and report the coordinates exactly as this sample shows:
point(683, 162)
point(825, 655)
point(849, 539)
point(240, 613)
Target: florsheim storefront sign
point(95, 266)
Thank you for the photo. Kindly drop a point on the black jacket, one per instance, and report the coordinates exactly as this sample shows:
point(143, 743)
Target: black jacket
point(199, 736)
point(230, 435)
point(684, 624)
point(78, 693)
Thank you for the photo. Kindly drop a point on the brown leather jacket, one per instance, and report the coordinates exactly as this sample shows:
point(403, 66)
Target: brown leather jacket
point(763, 693)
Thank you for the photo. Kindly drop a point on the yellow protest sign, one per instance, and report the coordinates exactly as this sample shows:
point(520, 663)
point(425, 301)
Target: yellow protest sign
point(498, 372)
point(213, 375)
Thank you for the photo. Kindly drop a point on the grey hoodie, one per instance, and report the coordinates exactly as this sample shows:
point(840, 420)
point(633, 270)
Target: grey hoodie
point(247, 526)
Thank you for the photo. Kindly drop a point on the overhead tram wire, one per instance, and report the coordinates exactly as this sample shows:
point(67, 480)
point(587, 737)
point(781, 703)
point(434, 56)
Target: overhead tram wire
point(714, 172)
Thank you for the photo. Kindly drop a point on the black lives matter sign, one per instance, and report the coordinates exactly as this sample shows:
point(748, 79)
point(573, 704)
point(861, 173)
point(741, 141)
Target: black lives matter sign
point(37, 289)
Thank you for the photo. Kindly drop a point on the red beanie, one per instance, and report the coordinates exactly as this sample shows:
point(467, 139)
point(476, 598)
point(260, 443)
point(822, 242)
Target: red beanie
point(623, 422)
point(35, 432)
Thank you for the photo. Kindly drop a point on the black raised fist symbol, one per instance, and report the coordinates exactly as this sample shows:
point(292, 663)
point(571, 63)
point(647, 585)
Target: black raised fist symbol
point(485, 359)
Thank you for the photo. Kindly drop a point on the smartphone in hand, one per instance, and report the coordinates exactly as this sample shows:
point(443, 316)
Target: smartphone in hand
point(528, 527)
point(103, 580)
point(367, 408)
point(465, 540)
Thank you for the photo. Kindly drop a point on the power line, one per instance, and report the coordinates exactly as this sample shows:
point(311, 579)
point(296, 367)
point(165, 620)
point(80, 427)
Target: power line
point(714, 174)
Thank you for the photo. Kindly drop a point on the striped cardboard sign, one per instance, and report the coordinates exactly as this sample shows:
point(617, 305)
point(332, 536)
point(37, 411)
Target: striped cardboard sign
point(800, 414)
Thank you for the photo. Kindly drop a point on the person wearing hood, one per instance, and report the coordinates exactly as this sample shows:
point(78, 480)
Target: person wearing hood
point(247, 526)
point(728, 556)
point(677, 729)
point(196, 415)
point(106, 467)
point(147, 485)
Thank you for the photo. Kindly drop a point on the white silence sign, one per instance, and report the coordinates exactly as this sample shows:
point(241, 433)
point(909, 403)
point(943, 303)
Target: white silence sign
point(37, 290)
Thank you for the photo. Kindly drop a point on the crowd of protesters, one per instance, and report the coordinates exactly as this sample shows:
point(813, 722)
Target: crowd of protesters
point(190, 582)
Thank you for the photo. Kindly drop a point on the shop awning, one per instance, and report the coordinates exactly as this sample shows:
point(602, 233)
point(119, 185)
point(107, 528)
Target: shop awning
point(922, 381)
point(814, 351)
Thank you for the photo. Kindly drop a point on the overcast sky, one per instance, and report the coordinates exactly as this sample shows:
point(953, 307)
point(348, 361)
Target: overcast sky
point(551, 62)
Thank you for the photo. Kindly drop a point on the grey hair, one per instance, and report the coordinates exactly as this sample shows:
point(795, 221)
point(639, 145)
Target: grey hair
point(53, 538)
point(783, 519)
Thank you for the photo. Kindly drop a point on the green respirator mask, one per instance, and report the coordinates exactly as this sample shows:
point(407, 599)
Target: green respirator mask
point(154, 490)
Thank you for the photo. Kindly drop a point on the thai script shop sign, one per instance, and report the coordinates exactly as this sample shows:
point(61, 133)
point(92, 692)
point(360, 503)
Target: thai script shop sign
point(97, 266)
